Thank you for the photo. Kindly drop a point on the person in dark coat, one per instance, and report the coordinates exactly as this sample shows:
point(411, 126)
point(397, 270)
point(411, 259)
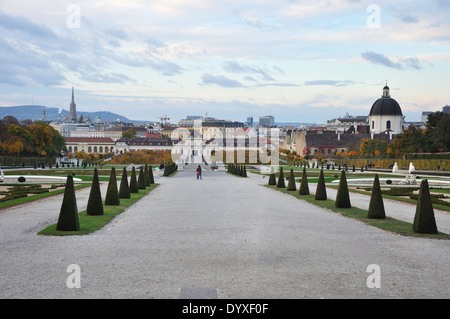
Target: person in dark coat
point(199, 172)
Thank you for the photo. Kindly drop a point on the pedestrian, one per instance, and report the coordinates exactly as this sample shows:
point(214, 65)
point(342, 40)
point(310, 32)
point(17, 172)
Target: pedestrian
point(199, 172)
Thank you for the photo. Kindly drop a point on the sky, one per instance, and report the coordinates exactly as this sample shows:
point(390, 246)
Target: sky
point(300, 61)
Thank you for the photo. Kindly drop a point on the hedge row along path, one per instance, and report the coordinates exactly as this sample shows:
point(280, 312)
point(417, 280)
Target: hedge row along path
point(221, 232)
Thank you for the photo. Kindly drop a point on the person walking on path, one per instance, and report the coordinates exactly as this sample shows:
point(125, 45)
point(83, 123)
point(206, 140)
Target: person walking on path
point(199, 172)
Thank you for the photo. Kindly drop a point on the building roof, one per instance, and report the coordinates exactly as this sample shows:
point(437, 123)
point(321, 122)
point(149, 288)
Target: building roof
point(89, 140)
point(386, 106)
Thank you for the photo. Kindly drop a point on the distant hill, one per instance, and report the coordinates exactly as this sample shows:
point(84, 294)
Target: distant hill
point(34, 112)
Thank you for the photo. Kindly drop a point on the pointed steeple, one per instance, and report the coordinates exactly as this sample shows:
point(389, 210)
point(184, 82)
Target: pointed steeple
point(73, 109)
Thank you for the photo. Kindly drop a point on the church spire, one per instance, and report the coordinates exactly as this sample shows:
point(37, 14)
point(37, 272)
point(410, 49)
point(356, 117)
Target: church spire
point(386, 90)
point(73, 109)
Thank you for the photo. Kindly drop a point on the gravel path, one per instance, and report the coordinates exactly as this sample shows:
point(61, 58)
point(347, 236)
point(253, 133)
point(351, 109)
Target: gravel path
point(223, 232)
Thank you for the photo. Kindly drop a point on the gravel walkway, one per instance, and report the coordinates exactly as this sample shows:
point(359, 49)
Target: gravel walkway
point(222, 232)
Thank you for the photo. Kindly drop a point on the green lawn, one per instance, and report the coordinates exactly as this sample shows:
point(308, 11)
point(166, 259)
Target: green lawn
point(388, 224)
point(90, 224)
point(31, 198)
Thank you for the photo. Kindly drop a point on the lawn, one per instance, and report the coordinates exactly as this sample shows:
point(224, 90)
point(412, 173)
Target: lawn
point(90, 224)
point(388, 224)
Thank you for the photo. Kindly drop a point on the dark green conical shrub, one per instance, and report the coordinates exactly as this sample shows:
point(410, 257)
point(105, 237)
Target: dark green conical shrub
point(124, 190)
point(281, 183)
point(321, 191)
point(141, 179)
point(112, 193)
point(291, 184)
point(424, 221)
point(146, 176)
point(376, 206)
point(68, 215)
point(272, 178)
point(244, 171)
point(150, 174)
point(304, 187)
point(95, 204)
point(133, 182)
point(343, 196)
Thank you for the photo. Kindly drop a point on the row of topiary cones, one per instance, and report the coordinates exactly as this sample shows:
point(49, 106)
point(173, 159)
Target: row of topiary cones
point(424, 220)
point(68, 216)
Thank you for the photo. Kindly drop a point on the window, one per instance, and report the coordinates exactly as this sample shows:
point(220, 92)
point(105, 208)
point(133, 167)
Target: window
point(95, 149)
point(373, 125)
point(89, 149)
point(388, 125)
point(100, 149)
point(70, 149)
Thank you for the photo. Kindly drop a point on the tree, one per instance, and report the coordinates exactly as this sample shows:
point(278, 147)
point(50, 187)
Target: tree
point(424, 221)
point(95, 204)
point(68, 215)
point(343, 196)
point(150, 173)
point(124, 190)
point(133, 182)
point(321, 191)
point(281, 183)
point(376, 206)
point(146, 176)
point(291, 185)
point(272, 178)
point(141, 179)
point(112, 193)
point(130, 133)
point(304, 187)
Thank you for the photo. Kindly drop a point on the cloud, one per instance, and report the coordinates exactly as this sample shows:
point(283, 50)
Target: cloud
point(24, 25)
point(329, 83)
point(235, 67)
point(377, 58)
point(221, 80)
point(401, 64)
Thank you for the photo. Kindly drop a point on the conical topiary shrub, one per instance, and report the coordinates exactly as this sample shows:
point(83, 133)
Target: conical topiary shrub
point(95, 204)
point(321, 191)
point(291, 183)
point(304, 187)
point(343, 196)
point(244, 171)
point(146, 176)
point(281, 183)
point(112, 193)
point(141, 179)
point(424, 221)
point(376, 206)
point(133, 182)
point(68, 215)
point(150, 174)
point(272, 178)
point(124, 190)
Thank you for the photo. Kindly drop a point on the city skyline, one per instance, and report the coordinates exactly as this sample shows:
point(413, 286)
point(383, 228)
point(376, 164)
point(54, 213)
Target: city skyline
point(299, 61)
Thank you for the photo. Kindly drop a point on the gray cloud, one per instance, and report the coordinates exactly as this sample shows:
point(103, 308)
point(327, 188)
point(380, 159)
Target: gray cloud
point(329, 83)
point(24, 25)
point(220, 80)
point(235, 67)
point(381, 59)
point(402, 64)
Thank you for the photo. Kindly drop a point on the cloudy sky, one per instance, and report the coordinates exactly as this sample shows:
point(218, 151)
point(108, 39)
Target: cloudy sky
point(301, 61)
